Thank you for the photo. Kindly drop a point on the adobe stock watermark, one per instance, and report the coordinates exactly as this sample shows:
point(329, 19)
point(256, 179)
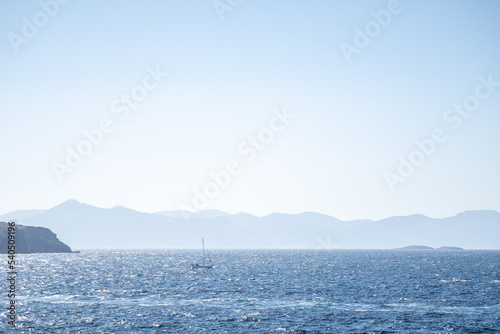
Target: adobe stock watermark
point(222, 7)
point(121, 108)
point(326, 243)
point(452, 117)
point(364, 36)
point(30, 27)
point(247, 152)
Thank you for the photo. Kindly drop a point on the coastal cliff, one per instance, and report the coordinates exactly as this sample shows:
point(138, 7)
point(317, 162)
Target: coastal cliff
point(30, 239)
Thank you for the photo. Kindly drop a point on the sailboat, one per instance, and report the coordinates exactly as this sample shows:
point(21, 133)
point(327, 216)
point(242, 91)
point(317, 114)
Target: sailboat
point(205, 264)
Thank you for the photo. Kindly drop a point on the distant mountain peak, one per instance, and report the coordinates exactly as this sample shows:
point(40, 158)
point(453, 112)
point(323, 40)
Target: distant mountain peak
point(69, 202)
point(482, 212)
point(119, 207)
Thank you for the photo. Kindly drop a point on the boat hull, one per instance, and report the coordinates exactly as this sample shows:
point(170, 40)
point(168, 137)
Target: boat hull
point(197, 266)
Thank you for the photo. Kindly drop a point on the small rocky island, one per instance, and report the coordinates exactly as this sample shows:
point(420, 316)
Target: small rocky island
point(419, 247)
point(449, 248)
point(31, 239)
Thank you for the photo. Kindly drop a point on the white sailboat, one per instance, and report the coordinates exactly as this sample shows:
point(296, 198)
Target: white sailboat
point(205, 264)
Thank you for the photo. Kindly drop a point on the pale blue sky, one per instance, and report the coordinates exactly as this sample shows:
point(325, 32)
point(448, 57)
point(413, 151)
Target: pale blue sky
point(353, 120)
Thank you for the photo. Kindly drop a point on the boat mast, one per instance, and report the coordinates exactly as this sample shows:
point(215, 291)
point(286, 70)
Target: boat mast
point(203, 244)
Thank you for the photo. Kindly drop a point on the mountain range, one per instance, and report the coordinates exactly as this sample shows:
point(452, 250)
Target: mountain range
point(85, 226)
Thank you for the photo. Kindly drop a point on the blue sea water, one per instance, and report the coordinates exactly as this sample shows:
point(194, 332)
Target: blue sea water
point(258, 291)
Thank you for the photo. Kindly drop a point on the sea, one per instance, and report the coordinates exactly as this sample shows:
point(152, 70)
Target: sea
point(256, 291)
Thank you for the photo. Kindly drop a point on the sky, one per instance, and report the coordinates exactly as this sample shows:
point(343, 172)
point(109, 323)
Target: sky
point(364, 109)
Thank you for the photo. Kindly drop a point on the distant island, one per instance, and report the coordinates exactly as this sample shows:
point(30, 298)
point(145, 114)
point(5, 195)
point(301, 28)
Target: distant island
point(419, 247)
point(449, 248)
point(30, 239)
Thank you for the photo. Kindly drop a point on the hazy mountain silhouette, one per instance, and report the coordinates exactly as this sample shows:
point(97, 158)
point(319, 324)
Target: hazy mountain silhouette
point(199, 214)
point(22, 214)
point(85, 226)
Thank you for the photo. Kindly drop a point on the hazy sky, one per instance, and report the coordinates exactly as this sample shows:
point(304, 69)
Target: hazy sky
point(358, 93)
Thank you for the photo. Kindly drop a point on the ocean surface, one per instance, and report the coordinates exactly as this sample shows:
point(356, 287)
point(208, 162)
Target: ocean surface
point(257, 291)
